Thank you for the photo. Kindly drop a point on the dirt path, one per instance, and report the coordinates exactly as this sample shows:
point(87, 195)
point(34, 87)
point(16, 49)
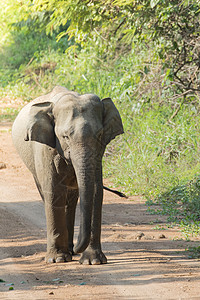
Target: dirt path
point(143, 263)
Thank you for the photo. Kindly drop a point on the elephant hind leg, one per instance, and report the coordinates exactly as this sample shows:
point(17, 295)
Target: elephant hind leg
point(39, 188)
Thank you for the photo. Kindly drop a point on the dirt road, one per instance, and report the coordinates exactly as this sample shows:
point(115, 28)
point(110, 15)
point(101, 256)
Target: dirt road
point(143, 263)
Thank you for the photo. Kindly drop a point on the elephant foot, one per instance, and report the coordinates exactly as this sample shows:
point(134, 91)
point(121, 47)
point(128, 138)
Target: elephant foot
point(58, 257)
point(93, 257)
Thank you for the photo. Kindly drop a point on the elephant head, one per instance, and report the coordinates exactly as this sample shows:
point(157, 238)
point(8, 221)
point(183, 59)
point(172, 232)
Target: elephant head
point(79, 127)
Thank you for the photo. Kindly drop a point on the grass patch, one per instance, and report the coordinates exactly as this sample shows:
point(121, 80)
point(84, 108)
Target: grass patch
point(193, 252)
point(8, 114)
point(182, 206)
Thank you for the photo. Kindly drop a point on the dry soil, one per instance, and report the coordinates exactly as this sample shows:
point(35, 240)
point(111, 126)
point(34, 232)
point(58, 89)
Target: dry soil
point(143, 262)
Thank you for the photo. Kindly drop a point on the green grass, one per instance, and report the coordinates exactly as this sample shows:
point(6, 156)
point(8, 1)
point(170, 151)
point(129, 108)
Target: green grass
point(8, 114)
point(194, 252)
point(155, 156)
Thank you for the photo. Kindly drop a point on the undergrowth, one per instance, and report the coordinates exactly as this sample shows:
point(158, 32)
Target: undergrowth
point(8, 114)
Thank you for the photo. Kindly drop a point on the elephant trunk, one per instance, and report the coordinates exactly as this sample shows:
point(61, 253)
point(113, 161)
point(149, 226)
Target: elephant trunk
point(85, 178)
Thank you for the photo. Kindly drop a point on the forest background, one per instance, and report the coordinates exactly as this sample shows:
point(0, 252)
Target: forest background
point(145, 55)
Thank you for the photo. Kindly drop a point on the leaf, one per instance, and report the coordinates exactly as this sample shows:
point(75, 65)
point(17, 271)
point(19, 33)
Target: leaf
point(139, 7)
point(71, 48)
point(60, 35)
point(146, 70)
point(153, 3)
point(124, 2)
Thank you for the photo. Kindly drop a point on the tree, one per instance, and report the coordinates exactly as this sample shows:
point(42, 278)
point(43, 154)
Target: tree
point(173, 27)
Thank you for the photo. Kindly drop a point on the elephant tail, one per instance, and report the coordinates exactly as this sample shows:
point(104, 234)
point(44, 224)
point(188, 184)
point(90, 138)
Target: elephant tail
point(115, 192)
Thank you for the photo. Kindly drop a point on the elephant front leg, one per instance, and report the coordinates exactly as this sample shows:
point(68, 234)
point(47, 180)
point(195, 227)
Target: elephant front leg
point(93, 255)
point(57, 235)
point(72, 198)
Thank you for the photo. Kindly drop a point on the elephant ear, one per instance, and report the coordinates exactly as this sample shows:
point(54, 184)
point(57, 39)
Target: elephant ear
point(112, 123)
point(40, 126)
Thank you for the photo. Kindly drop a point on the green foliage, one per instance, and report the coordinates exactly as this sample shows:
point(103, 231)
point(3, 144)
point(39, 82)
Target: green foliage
point(8, 114)
point(26, 40)
point(182, 206)
point(184, 198)
point(194, 252)
point(157, 154)
point(173, 26)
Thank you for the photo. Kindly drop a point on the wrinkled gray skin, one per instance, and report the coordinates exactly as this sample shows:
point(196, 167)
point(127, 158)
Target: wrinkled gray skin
point(61, 137)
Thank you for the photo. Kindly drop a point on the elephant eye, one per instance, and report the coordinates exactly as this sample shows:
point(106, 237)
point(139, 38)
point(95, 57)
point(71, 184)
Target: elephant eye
point(66, 137)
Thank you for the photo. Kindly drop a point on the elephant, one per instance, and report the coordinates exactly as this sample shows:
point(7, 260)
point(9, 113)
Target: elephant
point(61, 137)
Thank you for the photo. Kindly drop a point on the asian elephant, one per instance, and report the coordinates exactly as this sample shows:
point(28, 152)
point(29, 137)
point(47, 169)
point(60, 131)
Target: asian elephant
point(61, 137)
